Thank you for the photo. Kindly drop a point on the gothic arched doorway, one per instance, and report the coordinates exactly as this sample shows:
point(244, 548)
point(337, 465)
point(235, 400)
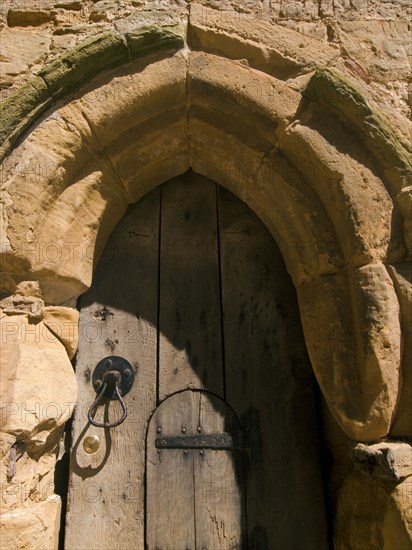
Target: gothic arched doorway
point(192, 290)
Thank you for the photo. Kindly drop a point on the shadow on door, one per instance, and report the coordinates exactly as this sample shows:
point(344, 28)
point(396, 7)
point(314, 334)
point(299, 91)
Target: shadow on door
point(193, 291)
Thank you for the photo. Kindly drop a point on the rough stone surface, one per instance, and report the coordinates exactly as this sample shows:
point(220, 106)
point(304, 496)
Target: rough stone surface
point(36, 400)
point(87, 59)
point(334, 93)
point(34, 527)
point(402, 278)
point(63, 323)
point(67, 74)
point(345, 185)
point(26, 478)
point(404, 200)
point(21, 51)
point(372, 515)
point(19, 110)
point(388, 461)
point(357, 365)
point(270, 48)
point(382, 47)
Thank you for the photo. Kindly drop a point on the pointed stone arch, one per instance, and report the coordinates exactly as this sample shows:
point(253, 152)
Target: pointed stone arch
point(325, 173)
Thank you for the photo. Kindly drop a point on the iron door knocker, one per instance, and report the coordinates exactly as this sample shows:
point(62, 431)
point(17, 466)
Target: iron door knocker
point(112, 379)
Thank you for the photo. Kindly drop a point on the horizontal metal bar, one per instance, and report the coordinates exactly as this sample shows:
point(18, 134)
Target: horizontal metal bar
point(225, 441)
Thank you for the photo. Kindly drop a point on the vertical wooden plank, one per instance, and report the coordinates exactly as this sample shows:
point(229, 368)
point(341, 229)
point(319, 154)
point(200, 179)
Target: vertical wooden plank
point(267, 371)
point(190, 354)
point(220, 513)
point(170, 482)
point(118, 317)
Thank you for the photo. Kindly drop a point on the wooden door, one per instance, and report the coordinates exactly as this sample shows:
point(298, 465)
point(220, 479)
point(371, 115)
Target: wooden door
point(192, 291)
point(195, 485)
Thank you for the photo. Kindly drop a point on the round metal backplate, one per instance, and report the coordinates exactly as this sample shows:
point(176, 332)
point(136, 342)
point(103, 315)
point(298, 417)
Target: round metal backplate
point(116, 364)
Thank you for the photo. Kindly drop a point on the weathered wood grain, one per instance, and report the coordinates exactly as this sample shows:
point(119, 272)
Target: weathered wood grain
point(195, 497)
point(173, 332)
point(118, 315)
point(219, 483)
point(268, 376)
point(190, 354)
point(170, 480)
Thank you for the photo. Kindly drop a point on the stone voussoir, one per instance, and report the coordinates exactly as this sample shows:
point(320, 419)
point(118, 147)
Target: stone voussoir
point(20, 109)
point(67, 74)
point(356, 200)
point(357, 366)
point(146, 40)
point(71, 70)
point(334, 92)
point(223, 91)
point(268, 47)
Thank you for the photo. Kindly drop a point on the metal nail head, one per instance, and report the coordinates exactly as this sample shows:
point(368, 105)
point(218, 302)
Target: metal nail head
point(91, 444)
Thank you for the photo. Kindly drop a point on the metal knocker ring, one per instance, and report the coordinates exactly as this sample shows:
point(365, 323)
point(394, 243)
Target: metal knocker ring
point(107, 376)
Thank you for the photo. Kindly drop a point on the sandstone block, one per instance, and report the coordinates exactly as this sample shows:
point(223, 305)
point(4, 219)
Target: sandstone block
point(332, 91)
point(79, 65)
point(104, 10)
point(297, 219)
point(31, 13)
point(38, 383)
point(144, 41)
point(370, 515)
point(126, 100)
point(21, 49)
point(389, 461)
point(239, 99)
point(357, 363)
point(268, 47)
point(404, 200)
point(34, 162)
point(63, 323)
point(25, 478)
point(19, 110)
point(151, 153)
point(80, 221)
point(223, 158)
point(20, 528)
point(355, 199)
point(380, 46)
point(402, 279)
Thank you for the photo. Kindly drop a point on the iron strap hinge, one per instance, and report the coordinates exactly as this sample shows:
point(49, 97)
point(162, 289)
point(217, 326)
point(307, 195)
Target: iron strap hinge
point(247, 440)
point(225, 441)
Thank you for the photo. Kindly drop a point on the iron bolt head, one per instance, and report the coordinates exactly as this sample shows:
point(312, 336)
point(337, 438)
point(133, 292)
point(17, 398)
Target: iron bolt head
point(127, 372)
point(184, 430)
point(159, 430)
point(97, 384)
point(199, 429)
point(202, 452)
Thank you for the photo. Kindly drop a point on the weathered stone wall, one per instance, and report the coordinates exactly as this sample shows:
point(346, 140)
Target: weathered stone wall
point(320, 155)
point(372, 36)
